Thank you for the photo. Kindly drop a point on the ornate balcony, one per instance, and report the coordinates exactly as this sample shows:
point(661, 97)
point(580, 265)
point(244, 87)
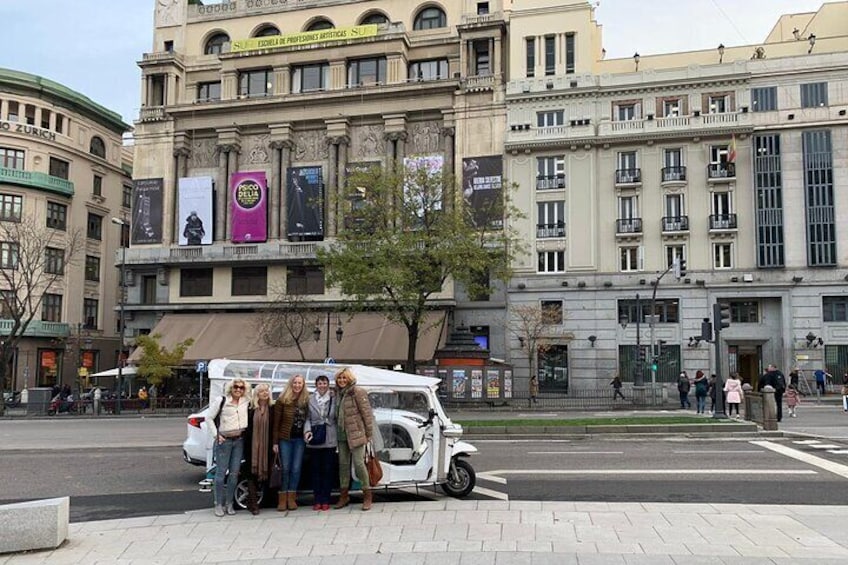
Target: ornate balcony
point(550, 230)
point(672, 224)
point(723, 222)
point(628, 177)
point(721, 172)
point(37, 328)
point(673, 174)
point(36, 180)
point(152, 114)
point(550, 182)
point(222, 253)
point(628, 226)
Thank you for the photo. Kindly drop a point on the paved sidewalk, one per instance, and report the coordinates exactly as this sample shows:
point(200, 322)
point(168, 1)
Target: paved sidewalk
point(455, 532)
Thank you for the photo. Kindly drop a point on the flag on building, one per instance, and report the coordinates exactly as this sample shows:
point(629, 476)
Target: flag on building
point(731, 153)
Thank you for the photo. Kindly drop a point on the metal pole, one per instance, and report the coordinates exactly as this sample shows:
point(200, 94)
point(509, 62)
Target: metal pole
point(718, 414)
point(638, 380)
point(121, 359)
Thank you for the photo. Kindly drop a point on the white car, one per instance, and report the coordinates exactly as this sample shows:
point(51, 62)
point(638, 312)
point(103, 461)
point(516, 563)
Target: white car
point(197, 438)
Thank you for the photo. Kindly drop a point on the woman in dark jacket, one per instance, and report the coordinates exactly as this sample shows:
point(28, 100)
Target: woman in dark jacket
point(259, 441)
point(320, 435)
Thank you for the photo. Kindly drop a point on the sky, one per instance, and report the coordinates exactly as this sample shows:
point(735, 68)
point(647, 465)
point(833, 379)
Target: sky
point(92, 46)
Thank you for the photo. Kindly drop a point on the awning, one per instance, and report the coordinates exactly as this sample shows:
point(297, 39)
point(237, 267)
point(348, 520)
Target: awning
point(369, 339)
point(126, 371)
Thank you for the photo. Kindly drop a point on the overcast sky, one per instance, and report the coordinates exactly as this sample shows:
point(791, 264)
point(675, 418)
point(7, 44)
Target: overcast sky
point(92, 46)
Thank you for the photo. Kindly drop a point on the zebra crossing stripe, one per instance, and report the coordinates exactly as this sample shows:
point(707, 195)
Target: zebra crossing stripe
point(807, 442)
point(838, 451)
point(826, 446)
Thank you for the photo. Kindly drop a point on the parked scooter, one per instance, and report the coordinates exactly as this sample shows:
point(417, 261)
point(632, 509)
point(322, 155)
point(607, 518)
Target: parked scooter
point(60, 406)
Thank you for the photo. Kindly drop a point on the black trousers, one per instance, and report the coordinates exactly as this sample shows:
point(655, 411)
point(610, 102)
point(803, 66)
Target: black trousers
point(778, 399)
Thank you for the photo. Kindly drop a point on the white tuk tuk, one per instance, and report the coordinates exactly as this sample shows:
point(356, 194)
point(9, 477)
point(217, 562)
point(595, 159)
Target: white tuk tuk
point(417, 443)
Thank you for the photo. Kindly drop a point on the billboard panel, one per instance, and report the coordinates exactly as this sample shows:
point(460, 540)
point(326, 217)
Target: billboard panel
point(147, 211)
point(249, 192)
point(482, 188)
point(195, 210)
point(305, 202)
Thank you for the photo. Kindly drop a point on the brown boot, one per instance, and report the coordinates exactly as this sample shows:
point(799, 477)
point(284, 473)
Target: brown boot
point(252, 502)
point(368, 499)
point(281, 502)
point(292, 504)
point(344, 499)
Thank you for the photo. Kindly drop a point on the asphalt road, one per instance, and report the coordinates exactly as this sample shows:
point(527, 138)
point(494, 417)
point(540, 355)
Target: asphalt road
point(133, 466)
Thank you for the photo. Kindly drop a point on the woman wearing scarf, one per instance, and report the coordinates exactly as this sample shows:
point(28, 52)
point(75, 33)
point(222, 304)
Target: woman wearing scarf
point(290, 413)
point(226, 421)
point(258, 452)
point(355, 427)
point(320, 435)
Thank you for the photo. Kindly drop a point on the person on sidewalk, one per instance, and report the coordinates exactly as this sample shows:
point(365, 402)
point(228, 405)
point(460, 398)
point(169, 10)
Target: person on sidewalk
point(774, 378)
point(733, 388)
point(258, 447)
point(683, 386)
point(227, 422)
point(793, 399)
point(355, 426)
point(290, 413)
point(534, 390)
point(822, 377)
point(320, 434)
point(845, 392)
point(616, 385)
point(701, 389)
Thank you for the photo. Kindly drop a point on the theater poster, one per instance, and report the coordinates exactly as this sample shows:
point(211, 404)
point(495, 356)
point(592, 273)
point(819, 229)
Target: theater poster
point(195, 210)
point(249, 192)
point(147, 211)
point(482, 188)
point(305, 202)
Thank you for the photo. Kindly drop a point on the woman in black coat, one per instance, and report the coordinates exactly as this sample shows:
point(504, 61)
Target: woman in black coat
point(258, 439)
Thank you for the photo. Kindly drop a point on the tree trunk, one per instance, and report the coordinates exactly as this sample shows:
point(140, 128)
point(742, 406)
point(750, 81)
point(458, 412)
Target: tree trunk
point(412, 334)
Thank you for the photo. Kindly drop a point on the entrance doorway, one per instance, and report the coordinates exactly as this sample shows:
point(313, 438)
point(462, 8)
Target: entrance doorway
point(747, 361)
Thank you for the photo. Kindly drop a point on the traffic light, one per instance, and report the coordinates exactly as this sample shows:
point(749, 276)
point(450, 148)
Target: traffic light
point(641, 355)
point(706, 330)
point(682, 268)
point(655, 363)
point(721, 315)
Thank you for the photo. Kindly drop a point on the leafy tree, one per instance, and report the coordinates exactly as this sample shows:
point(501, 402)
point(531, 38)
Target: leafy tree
point(157, 361)
point(288, 321)
point(531, 325)
point(33, 259)
point(405, 235)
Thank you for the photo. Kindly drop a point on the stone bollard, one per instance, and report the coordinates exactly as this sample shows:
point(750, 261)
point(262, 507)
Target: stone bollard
point(769, 409)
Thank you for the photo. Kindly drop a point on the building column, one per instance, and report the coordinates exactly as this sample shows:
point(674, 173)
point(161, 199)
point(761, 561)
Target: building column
point(274, 200)
point(232, 167)
point(181, 155)
point(171, 89)
point(4, 109)
point(37, 117)
point(330, 190)
point(285, 163)
point(344, 143)
point(496, 57)
point(449, 133)
point(400, 147)
point(221, 189)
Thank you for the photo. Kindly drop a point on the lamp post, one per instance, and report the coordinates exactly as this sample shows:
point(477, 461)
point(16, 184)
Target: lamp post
point(123, 224)
point(316, 333)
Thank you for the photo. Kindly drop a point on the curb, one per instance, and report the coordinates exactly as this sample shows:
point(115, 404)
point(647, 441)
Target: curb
point(723, 430)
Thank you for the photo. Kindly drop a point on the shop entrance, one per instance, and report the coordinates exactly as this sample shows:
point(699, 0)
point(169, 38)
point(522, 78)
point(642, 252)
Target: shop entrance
point(747, 361)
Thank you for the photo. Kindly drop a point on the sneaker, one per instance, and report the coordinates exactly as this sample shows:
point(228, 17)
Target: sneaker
point(230, 510)
point(219, 511)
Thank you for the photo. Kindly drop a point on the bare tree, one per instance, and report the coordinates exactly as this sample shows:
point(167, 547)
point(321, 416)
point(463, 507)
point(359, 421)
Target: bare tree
point(33, 262)
point(288, 321)
point(529, 324)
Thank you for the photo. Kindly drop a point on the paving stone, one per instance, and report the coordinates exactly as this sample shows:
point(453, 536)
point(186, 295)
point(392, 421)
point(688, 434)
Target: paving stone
point(477, 559)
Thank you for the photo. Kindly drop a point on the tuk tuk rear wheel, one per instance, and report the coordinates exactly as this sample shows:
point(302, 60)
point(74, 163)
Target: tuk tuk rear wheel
point(461, 481)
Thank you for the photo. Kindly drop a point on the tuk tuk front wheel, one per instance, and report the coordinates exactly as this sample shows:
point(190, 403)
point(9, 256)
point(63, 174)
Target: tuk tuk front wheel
point(461, 479)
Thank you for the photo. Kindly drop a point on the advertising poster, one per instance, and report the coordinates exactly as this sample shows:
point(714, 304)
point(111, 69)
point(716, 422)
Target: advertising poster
point(493, 383)
point(416, 193)
point(305, 201)
point(507, 383)
point(459, 379)
point(195, 210)
point(476, 383)
point(147, 211)
point(482, 188)
point(443, 382)
point(249, 207)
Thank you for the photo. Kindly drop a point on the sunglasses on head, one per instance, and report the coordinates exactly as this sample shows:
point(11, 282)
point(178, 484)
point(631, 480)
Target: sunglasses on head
point(238, 387)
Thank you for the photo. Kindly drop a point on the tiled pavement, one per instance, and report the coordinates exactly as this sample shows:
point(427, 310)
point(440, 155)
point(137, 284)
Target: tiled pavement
point(455, 532)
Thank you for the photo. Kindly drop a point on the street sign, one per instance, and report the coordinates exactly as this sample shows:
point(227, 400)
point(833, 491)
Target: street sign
point(200, 367)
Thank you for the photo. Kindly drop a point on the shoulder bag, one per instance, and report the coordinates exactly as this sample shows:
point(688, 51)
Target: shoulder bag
point(375, 470)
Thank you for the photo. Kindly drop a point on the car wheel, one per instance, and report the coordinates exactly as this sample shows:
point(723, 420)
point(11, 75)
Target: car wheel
point(241, 494)
point(461, 479)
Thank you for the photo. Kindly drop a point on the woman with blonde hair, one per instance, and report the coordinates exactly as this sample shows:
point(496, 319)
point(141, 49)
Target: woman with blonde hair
point(227, 421)
point(258, 447)
point(354, 429)
point(290, 413)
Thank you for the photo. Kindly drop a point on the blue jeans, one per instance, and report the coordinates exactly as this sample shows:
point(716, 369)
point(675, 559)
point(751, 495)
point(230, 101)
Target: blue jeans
point(291, 458)
point(228, 458)
point(702, 403)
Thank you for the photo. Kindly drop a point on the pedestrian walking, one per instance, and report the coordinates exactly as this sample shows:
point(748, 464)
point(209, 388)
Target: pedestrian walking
point(683, 387)
point(143, 397)
point(774, 378)
point(320, 434)
point(258, 445)
point(821, 380)
point(534, 390)
point(290, 413)
point(355, 427)
point(616, 385)
point(227, 422)
point(793, 399)
point(795, 377)
point(845, 392)
point(733, 388)
point(702, 386)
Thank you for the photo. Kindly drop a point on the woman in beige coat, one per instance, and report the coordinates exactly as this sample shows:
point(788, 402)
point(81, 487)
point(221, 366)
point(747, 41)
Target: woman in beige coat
point(355, 428)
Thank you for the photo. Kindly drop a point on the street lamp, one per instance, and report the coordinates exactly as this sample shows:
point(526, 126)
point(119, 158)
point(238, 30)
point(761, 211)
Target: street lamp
point(123, 226)
point(316, 333)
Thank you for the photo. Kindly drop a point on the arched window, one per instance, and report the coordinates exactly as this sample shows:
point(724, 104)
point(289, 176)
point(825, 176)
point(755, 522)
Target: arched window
point(430, 18)
point(97, 147)
point(266, 31)
point(320, 24)
point(374, 18)
point(215, 44)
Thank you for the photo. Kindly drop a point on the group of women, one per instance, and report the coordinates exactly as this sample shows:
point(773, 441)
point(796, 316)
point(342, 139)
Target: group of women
point(249, 426)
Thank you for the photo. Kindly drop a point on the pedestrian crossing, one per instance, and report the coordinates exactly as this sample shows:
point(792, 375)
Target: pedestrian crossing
point(818, 444)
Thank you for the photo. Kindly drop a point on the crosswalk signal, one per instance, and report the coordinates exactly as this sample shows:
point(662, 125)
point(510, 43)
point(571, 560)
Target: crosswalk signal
point(706, 330)
point(682, 268)
point(654, 364)
point(721, 315)
point(641, 355)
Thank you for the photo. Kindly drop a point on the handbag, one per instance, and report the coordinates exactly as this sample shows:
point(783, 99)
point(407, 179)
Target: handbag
point(375, 470)
point(275, 480)
point(319, 434)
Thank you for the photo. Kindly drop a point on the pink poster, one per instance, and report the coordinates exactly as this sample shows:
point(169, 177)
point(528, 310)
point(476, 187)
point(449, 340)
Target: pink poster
point(249, 192)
